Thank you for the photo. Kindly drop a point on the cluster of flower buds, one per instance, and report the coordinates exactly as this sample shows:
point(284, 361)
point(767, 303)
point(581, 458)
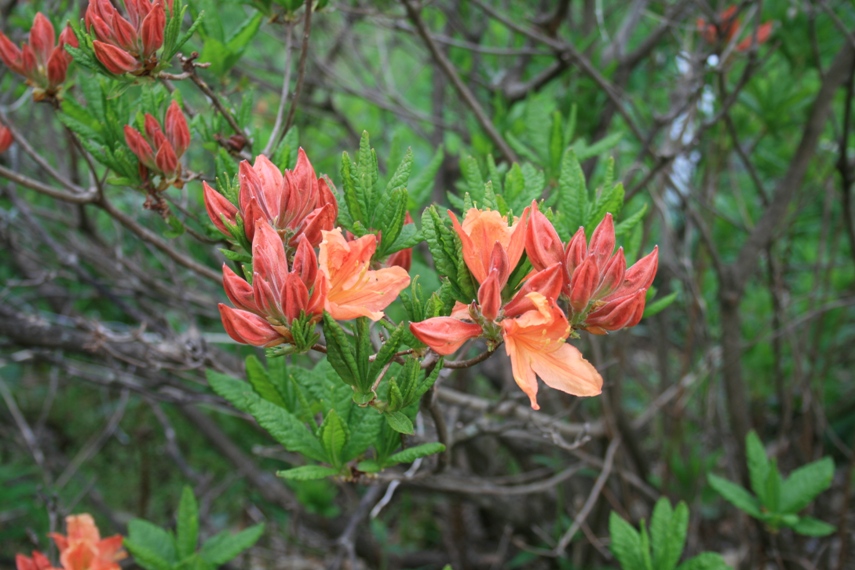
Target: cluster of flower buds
point(602, 294)
point(598, 290)
point(285, 217)
point(6, 138)
point(296, 203)
point(42, 60)
point(727, 27)
point(127, 45)
point(158, 151)
point(81, 549)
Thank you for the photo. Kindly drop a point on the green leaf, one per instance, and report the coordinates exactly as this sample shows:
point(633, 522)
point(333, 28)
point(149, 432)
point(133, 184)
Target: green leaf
point(772, 488)
point(572, 193)
point(626, 543)
point(231, 389)
point(705, 561)
point(187, 527)
point(150, 543)
point(399, 422)
point(260, 380)
point(286, 429)
point(334, 434)
point(421, 185)
point(609, 200)
point(668, 533)
point(412, 453)
point(758, 466)
point(386, 352)
point(474, 182)
point(805, 483)
point(340, 352)
point(307, 473)
point(736, 495)
point(810, 526)
point(224, 546)
point(660, 304)
point(402, 174)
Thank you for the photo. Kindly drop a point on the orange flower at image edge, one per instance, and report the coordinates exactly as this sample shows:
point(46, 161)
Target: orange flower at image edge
point(81, 549)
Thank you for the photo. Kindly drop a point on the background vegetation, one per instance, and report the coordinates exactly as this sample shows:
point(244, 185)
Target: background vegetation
point(741, 160)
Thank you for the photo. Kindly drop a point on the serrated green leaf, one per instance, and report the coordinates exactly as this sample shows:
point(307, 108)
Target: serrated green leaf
point(736, 495)
point(585, 151)
point(396, 399)
point(610, 200)
point(365, 424)
point(386, 352)
point(572, 193)
point(155, 545)
point(668, 529)
point(285, 428)
point(412, 453)
point(231, 389)
point(626, 543)
point(401, 176)
point(473, 181)
point(805, 484)
point(630, 222)
point(340, 352)
point(810, 526)
point(146, 556)
point(420, 186)
point(772, 488)
point(307, 473)
point(334, 434)
point(399, 422)
point(758, 466)
point(225, 546)
point(187, 524)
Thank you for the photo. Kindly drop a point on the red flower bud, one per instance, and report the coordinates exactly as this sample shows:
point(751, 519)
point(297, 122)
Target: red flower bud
point(117, 61)
point(542, 243)
point(238, 290)
point(248, 328)
point(444, 334)
point(152, 30)
point(612, 275)
point(139, 147)
point(166, 160)
point(6, 139)
point(763, 33)
point(124, 34)
point(30, 63)
point(602, 241)
point(547, 282)
point(584, 283)
point(490, 296)
point(42, 37)
point(177, 132)
point(11, 54)
point(295, 297)
point(617, 314)
point(57, 67)
point(218, 208)
point(577, 251)
point(305, 263)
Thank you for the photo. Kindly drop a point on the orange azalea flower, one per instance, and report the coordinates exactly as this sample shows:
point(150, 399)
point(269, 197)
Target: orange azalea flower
point(355, 290)
point(480, 232)
point(83, 548)
point(535, 343)
point(727, 27)
point(38, 562)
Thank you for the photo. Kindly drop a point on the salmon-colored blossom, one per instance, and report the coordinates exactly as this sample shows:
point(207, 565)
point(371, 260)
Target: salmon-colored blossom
point(38, 562)
point(602, 293)
point(536, 344)
point(160, 149)
point(127, 45)
point(726, 27)
point(43, 61)
point(84, 549)
point(355, 290)
point(277, 296)
point(296, 203)
point(481, 230)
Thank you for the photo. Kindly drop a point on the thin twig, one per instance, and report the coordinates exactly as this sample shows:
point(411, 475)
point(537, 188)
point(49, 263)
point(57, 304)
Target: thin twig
point(283, 97)
point(301, 70)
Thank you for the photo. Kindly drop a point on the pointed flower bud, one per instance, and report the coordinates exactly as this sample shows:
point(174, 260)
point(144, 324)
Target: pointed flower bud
point(584, 283)
point(116, 60)
point(152, 30)
point(490, 296)
point(444, 335)
point(42, 36)
point(6, 138)
point(542, 243)
point(218, 207)
point(177, 132)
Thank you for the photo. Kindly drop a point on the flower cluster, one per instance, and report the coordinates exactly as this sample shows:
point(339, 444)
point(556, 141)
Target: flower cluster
point(6, 138)
point(285, 217)
point(593, 283)
point(296, 203)
point(82, 549)
point(158, 151)
point(42, 60)
point(727, 28)
point(127, 45)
